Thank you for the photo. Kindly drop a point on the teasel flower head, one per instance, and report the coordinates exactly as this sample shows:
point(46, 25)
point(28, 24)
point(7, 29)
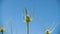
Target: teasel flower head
point(2, 29)
point(27, 17)
point(47, 31)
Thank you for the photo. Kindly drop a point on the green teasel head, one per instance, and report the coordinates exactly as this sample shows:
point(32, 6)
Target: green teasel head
point(2, 29)
point(47, 31)
point(27, 17)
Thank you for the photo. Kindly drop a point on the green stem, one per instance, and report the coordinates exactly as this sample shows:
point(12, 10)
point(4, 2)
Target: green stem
point(11, 29)
point(27, 28)
point(2, 32)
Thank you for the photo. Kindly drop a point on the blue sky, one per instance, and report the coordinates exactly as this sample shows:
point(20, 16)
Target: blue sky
point(44, 14)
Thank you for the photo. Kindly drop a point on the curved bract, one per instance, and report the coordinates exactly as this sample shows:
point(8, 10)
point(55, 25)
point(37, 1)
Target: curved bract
point(51, 29)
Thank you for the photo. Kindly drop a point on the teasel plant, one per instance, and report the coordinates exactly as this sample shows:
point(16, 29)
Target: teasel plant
point(27, 19)
point(50, 29)
point(3, 28)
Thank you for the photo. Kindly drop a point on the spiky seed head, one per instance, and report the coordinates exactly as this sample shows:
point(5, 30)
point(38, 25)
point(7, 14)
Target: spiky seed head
point(27, 18)
point(47, 31)
point(2, 29)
